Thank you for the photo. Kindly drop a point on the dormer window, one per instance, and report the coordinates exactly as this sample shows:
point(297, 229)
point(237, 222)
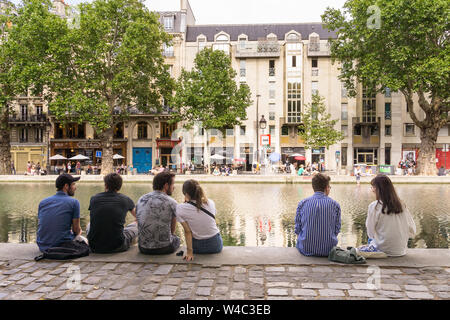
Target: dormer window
point(292, 37)
point(222, 43)
point(168, 22)
point(201, 43)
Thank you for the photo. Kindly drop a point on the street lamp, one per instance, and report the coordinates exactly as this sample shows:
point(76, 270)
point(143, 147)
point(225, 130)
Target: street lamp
point(262, 123)
point(257, 129)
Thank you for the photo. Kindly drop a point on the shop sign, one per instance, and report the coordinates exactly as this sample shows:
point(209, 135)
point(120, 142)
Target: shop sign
point(88, 144)
point(265, 139)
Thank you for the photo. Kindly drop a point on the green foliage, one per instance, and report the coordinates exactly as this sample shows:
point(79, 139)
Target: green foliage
point(317, 129)
point(209, 94)
point(409, 50)
point(108, 63)
point(25, 36)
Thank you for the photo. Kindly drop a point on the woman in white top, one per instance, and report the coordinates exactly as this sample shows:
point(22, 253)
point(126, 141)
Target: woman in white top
point(389, 223)
point(197, 216)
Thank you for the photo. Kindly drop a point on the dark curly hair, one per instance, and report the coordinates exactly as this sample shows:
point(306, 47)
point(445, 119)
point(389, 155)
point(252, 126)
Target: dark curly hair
point(113, 182)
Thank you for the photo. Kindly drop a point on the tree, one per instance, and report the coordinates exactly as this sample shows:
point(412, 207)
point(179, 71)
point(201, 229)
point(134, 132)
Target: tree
point(402, 45)
point(108, 63)
point(317, 129)
point(209, 94)
point(25, 35)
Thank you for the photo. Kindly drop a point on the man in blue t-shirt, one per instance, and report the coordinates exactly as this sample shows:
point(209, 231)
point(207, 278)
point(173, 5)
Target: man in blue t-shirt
point(59, 215)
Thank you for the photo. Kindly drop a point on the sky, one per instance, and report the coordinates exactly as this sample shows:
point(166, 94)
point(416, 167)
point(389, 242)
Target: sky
point(245, 11)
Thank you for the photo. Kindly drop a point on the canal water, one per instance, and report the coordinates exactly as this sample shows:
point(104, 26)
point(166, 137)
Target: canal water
point(248, 214)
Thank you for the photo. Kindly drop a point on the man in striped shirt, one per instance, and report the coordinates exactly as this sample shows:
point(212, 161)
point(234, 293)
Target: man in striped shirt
point(318, 220)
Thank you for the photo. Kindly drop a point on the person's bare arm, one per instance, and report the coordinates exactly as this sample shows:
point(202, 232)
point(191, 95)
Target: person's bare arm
point(173, 226)
point(188, 236)
point(133, 213)
point(76, 227)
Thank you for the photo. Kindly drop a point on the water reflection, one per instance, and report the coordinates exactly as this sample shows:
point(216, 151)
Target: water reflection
point(248, 214)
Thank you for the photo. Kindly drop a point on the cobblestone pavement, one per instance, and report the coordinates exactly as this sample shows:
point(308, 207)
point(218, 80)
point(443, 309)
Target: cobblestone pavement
point(21, 279)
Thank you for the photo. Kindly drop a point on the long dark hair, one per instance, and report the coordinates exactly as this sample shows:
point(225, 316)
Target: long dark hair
point(192, 188)
point(385, 193)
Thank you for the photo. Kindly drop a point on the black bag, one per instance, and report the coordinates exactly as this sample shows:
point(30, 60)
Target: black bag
point(66, 250)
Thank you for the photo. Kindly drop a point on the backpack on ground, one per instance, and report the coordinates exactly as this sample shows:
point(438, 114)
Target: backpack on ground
point(350, 256)
point(65, 251)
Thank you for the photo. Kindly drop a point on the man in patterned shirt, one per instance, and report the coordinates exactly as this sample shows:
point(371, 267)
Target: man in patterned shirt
point(156, 216)
point(318, 220)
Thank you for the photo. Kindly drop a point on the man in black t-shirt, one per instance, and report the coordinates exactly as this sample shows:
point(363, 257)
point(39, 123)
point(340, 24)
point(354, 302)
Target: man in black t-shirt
point(106, 232)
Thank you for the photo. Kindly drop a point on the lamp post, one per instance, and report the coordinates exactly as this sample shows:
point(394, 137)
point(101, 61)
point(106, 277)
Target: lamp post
point(262, 126)
point(257, 129)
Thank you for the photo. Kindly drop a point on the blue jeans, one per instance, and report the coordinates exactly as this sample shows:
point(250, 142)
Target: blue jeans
point(211, 245)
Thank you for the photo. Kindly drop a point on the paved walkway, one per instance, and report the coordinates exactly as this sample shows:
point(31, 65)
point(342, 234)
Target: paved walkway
point(230, 275)
point(247, 178)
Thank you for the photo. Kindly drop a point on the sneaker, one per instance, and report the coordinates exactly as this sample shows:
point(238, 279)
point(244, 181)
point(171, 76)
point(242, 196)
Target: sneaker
point(370, 251)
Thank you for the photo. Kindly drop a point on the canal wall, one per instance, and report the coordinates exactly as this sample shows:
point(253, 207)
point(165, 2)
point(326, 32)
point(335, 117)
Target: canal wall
point(270, 179)
point(415, 258)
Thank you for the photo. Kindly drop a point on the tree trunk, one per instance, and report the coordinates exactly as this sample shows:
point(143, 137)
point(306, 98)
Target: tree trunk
point(5, 142)
point(107, 153)
point(426, 163)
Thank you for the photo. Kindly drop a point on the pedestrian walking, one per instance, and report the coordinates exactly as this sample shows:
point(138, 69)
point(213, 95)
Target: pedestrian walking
point(358, 174)
point(13, 169)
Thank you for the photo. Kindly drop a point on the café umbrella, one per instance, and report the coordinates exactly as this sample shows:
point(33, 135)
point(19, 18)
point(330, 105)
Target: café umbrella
point(274, 157)
point(217, 157)
point(79, 157)
point(118, 156)
point(57, 157)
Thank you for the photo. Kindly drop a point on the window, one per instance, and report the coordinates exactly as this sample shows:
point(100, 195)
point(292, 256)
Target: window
point(369, 109)
point(343, 91)
point(242, 68)
point(443, 132)
point(357, 130)
point(387, 130)
point(201, 43)
point(167, 50)
point(271, 90)
point(314, 63)
point(314, 87)
point(374, 130)
point(284, 130)
point(343, 156)
point(168, 23)
point(271, 68)
point(201, 131)
point(118, 131)
point(230, 132)
point(242, 43)
point(387, 111)
point(344, 111)
point(344, 130)
point(39, 135)
point(292, 37)
point(294, 61)
point(214, 132)
point(142, 130)
point(38, 110)
point(242, 130)
point(24, 135)
point(24, 111)
point(167, 129)
point(272, 131)
point(300, 130)
point(409, 129)
point(387, 92)
point(387, 155)
point(271, 115)
point(294, 101)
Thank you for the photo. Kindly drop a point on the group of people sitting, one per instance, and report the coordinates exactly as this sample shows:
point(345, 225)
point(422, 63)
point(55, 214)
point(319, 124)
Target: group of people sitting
point(155, 216)
point(317, 222)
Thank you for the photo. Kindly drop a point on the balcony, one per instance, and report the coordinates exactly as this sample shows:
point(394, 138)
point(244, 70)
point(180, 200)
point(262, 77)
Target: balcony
point(319, 50)
point(34, 118)
point(260, 49)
